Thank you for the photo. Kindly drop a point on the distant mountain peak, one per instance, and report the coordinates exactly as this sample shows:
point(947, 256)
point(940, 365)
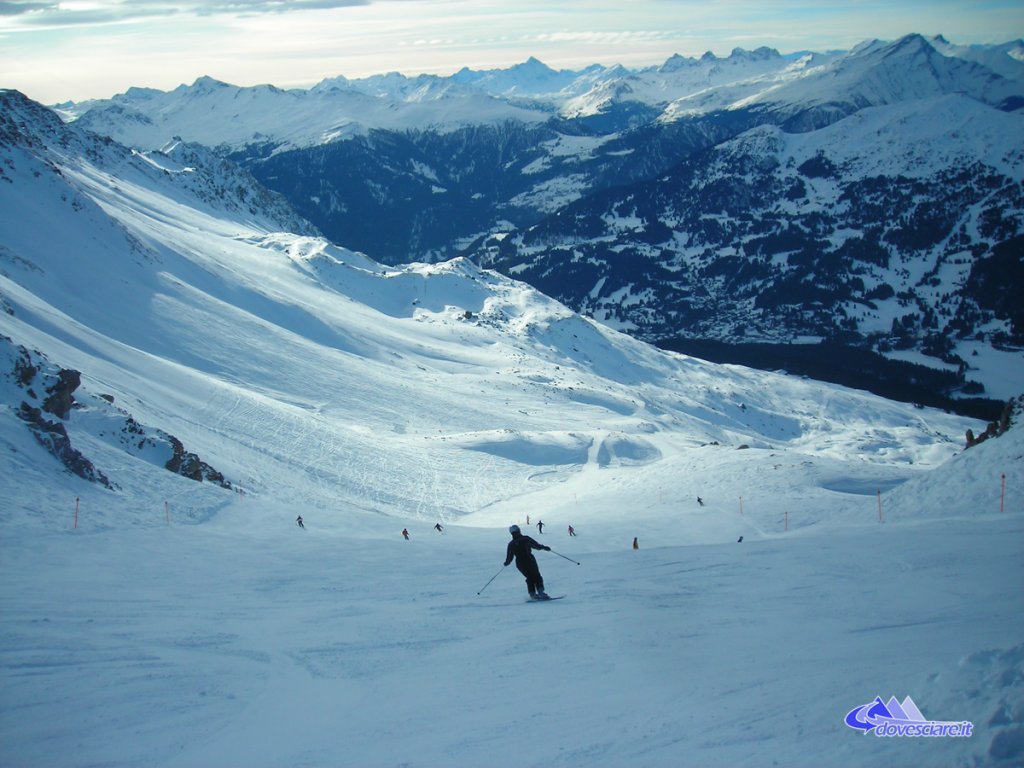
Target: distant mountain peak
point(911, 42)
point(141, 93)
point(758, 54)
point(22, 117)
point(677, 63)
point(207, 84)
point(535, 63)
point(535, 68)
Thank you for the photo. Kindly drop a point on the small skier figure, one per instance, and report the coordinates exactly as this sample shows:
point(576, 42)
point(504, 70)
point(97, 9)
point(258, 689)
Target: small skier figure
point(572, 531)
point(636, 544)
point(540, 526)
point(437, 527)
point(519, 548)
point(405, 533)
point(700, 501)
point(298, 521)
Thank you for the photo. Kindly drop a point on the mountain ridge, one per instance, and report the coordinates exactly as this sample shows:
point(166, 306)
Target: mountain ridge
point(570, 142)
point(295, 367)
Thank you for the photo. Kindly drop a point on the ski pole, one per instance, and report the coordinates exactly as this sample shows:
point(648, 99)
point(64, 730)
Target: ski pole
point(485, 586)
point(561, 555)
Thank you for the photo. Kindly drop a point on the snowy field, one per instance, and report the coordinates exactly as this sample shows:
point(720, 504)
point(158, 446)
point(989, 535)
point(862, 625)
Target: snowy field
point(181, 624)
point(246, 641)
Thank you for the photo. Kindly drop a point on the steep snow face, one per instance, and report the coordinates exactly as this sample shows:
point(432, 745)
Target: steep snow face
point(27, 127)
point(907, 69)
point(1006, 60)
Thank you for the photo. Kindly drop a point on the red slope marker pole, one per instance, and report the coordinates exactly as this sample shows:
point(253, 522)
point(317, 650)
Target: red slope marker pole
point(1002, 495)
point(77, 500)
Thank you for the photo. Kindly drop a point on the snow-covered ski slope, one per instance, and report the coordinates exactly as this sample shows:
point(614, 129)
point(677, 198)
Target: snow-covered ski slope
point(183, 624)
point(247, 641)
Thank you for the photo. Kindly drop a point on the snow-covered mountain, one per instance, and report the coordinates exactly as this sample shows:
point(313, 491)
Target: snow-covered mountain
point(440, 188)
point(815, 93)
point(34, 136)
point(192, 313)
point(221, 115)
point(870, 197)
point(426, 167)
point(217, 114)
point(899, 226)
point(183, 374)
point(1006, 60)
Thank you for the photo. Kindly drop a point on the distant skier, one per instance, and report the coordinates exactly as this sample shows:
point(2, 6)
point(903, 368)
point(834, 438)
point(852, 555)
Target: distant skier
point(700, 501)
point(520, 548)
point(636, 544)
point(298, 521)
point(572, 531)
point(405, 534)
point(540, 526)
point(437, 527)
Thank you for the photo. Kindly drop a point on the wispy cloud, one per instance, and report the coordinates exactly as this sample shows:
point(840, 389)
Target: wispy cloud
point(31, 13)
point(607, 37)
point(17, 7)
point(269, 6)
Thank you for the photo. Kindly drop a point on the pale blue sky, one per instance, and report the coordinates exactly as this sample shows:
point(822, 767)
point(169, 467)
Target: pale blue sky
point(81, 49)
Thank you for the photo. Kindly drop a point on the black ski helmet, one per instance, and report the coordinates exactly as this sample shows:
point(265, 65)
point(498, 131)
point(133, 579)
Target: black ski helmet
point(513, 529)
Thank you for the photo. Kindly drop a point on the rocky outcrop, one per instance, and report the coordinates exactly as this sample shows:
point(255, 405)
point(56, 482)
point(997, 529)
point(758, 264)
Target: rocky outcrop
point(191, 466)
point(42, 388)
point(1011, 413)
point(53, 436)
point(60, 395)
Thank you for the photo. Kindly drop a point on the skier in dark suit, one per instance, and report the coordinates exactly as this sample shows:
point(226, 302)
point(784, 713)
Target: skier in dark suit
point(520, 548)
